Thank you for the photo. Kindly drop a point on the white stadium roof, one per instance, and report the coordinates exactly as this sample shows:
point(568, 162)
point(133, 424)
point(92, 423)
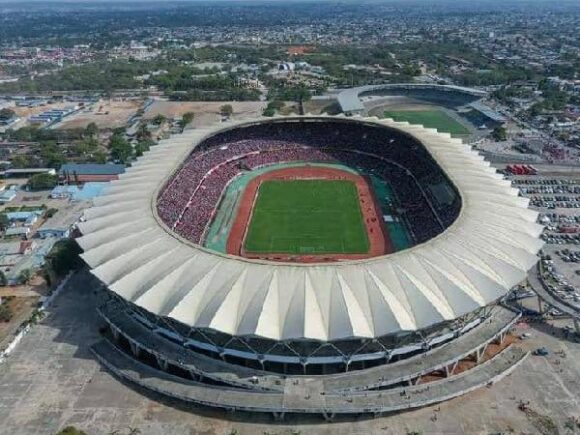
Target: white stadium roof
point(475, 261)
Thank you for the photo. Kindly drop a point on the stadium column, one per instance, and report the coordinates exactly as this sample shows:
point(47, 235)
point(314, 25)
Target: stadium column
point(346, 364)
point(162, 362)
point(114, 331)
point(135, 348)
point(500, 338)
point(328, 416)
point(450, 369)
point(479, 353)
point(278, 416)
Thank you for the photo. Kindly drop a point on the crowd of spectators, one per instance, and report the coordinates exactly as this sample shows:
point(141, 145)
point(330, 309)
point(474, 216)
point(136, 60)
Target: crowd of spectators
point(189, 200)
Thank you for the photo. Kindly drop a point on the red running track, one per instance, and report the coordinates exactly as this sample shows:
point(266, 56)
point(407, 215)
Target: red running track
point(379, 240)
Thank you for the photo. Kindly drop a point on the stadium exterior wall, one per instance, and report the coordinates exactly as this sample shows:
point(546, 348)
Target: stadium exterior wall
point(131, 272)
point(302, 356)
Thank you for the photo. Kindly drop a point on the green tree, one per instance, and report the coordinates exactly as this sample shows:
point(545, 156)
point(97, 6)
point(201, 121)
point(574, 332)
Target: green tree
point(227, 110)
point(86, 147)
point(272, 106)
point(98, 156)
point(7, 113)
point(64, 257)
point(5, 312)
point(283, 92)
point(91, 131)
point(186, 119)
point(51, 154)
point(141, 148)
point(143, 132)
point(42, 181)
point(121, 150)
point(25, 276)
point(269, 111)
point(19, 162)
point(159, 119)
point(499, 134)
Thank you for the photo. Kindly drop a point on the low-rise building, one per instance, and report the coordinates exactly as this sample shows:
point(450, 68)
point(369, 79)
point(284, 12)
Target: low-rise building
point(7, 196)
point(74, 173)
point(18, 231)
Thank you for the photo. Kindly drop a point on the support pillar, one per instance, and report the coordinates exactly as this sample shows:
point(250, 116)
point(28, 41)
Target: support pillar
point(278, 416)
point(479, 353)
point(450, 369)
point(162, 362)
point(500, 338)
point(576, 326)
point(115, 332)
point(328, 416)
point(135, 349)
point(540, 308)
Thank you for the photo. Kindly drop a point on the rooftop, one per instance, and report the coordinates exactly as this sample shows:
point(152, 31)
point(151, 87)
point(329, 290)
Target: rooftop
point(474, 262)
point(91, 169)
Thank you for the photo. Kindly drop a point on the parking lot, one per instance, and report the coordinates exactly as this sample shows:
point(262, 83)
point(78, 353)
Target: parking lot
point(557, 198)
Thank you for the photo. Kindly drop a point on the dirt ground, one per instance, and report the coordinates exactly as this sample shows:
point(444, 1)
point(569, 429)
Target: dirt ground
point(206, 113)
point(104, 113)
point(22, 308)
point(316, 107)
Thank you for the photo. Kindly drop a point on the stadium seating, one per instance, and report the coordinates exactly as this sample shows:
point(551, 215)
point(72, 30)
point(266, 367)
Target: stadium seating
point(189, 200)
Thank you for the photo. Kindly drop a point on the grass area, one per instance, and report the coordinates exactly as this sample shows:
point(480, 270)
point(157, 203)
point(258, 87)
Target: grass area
point(431, 119)
point(307, 217)
point(24, 208)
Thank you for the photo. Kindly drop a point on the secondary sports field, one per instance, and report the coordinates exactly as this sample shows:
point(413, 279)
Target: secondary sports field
point(431, 119)
point(307, 217)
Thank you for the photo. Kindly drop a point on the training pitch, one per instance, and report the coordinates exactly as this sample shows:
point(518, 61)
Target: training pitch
point(307, 217)
point(431, 119)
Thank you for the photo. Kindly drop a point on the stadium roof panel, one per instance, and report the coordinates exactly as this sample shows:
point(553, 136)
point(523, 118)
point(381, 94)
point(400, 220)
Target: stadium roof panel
point(476, 260)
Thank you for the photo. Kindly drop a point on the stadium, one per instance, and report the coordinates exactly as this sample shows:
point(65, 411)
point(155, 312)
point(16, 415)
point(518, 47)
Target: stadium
point(457, 110)
point(266, 258)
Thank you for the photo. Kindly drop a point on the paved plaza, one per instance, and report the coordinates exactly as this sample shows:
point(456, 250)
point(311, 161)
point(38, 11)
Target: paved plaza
point(52, 380)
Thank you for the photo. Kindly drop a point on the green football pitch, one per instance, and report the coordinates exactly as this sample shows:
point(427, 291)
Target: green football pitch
point(431, 119)
point(307, 217)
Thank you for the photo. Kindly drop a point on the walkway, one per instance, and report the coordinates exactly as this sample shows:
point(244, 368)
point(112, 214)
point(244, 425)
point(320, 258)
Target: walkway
point(550, 298)
point(445, 357)
point(301, 399)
